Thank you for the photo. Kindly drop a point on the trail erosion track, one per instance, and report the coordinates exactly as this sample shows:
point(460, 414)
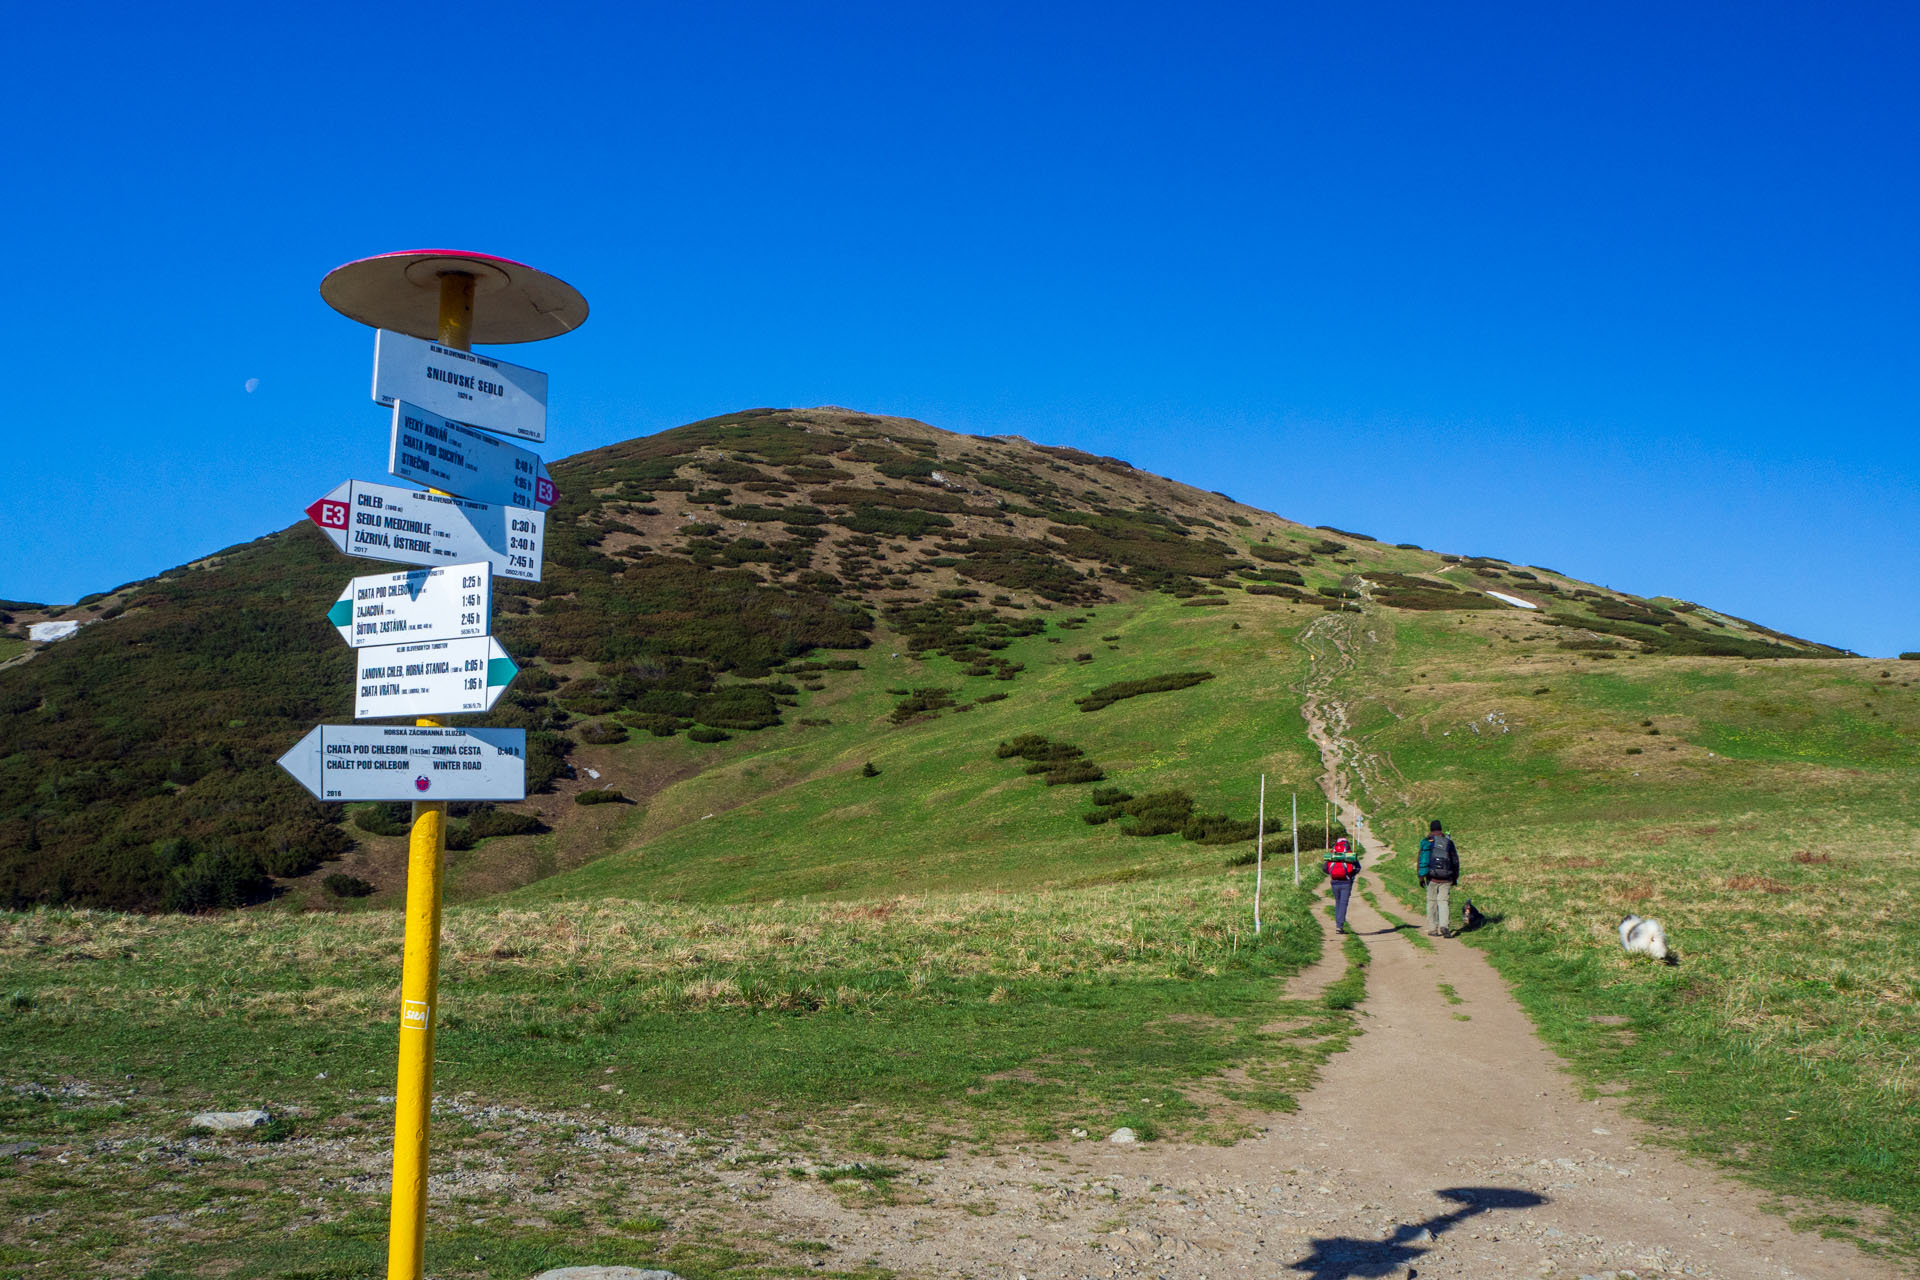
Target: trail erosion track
point(1447, 1141)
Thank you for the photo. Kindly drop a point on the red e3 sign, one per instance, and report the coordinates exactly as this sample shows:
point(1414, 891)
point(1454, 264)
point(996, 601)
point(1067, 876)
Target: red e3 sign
point(543, 492)
point(328, 515)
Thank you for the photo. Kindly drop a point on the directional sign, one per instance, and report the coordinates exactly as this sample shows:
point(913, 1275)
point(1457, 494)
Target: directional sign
point(386, 522)
point(441, 454)
point(434, 678)
point(402, 762)
point(475, 389)
point(419, 604)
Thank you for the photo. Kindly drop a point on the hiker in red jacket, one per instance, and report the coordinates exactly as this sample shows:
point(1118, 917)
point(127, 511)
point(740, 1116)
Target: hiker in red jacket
point(1342, 866)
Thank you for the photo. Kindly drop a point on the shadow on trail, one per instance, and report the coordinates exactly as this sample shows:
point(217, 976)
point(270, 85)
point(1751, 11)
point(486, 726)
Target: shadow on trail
point(1352, 1258)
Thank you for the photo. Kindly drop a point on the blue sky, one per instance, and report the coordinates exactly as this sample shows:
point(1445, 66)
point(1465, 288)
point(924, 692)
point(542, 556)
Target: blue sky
point(1624, 290)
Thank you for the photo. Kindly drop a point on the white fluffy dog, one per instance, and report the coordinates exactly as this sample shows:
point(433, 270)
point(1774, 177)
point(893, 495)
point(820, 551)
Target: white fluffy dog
point(1644, 936)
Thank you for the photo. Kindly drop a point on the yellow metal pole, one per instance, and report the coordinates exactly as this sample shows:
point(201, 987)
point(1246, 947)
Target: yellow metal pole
point(420, 970)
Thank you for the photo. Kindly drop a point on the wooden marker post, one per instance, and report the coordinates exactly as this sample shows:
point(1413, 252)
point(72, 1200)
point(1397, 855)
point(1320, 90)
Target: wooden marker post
point(1296, 839)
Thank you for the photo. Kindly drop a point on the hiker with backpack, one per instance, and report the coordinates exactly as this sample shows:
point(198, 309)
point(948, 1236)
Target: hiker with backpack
point(1342, 866)
point(1439, 871)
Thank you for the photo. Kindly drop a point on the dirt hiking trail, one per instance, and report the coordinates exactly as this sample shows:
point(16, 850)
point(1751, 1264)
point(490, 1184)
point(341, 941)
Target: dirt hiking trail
point(1445, 1142)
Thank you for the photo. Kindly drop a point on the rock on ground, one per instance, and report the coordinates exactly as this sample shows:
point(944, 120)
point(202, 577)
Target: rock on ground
point(226, 1120)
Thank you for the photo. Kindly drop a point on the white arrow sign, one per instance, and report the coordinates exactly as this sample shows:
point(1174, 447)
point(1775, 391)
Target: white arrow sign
point(441, 454)
point(419, 604)
point(386, 522)
point(475, 389)
point(434, 678)
point(402, 762)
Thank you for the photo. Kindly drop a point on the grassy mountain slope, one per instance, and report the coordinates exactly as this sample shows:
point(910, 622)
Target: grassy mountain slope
point(686, 574)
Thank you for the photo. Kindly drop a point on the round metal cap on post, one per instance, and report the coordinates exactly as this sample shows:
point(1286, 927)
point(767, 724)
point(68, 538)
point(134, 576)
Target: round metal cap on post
point(513, 302)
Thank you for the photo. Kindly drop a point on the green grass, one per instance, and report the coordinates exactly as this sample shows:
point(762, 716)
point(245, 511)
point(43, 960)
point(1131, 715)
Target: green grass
point(11, 647)
point(817, 1033)
point(792, 817)
point(1782, 1042)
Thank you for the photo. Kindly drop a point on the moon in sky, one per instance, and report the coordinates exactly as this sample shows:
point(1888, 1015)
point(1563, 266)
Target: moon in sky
point(253, 385)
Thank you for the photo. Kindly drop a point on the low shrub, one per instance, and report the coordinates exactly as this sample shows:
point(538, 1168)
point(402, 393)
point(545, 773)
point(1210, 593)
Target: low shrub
point(394, 819)
point(342, 885)
point(1108, 694)
point(1077, 771)
point(921, 702)
point(606, 795)
point(603, 733)
point(490, 822)
point(703, 733)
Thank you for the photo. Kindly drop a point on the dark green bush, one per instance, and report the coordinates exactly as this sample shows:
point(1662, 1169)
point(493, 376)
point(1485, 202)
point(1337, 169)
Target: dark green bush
point(1108, 694)
point(702, 733)
point(867, 770)
point(603, 733)
point(215, 879)
point(391, 819)
point(489, 821)
point(921, 702)
point(342, 885)
point(1075, 771)
point(605, 795)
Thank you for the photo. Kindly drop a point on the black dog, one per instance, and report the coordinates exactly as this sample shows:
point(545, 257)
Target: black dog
point(1473, 918)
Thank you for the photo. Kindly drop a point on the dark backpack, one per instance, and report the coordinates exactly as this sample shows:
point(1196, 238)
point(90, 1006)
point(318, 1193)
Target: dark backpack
point(1444, 862)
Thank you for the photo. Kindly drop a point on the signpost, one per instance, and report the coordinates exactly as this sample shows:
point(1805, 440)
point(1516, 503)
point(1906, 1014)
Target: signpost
point(407, 762)
point(386, 522)
point(423, 304)
point(477, 390)
point(435, 677)
point(442, 454)
point(453, 603)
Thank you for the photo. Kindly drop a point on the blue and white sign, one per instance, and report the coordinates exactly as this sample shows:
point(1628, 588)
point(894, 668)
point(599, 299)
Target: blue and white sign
point(386, 522)
point(405, 762)
point(419, 604)
point(442, 454)
point(433, 678)
point(475, 389)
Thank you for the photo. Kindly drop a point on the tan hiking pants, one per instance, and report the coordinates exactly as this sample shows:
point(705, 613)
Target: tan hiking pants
point(1438, 904)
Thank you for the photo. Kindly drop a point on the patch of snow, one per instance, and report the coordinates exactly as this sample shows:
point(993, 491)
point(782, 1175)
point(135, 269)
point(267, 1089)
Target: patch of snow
point(593, 773)
point(46, 632)
point(1515, 601)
